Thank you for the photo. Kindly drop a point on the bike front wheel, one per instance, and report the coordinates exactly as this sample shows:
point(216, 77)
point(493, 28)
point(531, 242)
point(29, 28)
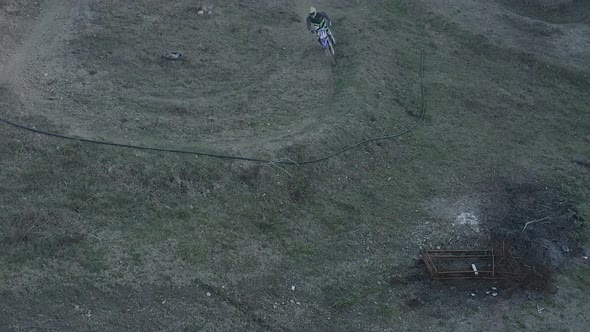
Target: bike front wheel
point(330, 53)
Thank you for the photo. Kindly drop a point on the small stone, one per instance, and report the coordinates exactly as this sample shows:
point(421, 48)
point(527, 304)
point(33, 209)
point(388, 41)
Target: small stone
point(473, 294)
point(494, 294)
point(293, 288)
point(488, 292)
point(200, 12)
point(208, 294)
point(494, 288)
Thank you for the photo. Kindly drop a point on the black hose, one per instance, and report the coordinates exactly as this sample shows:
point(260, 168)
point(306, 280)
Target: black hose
point(284, 161)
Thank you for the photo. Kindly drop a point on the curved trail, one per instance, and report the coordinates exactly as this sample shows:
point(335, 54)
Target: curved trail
point(56, 22)
point(27, 71)
point(25, 68)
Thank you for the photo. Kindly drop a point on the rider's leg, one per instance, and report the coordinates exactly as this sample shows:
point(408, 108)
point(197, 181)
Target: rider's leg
point(331, 36)
point(315, 29)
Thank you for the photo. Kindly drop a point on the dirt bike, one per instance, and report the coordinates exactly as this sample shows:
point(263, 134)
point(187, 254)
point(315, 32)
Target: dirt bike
point(326, 43)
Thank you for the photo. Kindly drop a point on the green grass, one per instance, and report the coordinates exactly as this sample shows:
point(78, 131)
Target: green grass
point(581, 276)
point(83, 221)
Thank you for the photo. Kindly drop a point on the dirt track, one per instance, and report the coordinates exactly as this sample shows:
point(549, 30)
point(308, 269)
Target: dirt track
point(506, 23)
point(51, 85)
point(26, 71)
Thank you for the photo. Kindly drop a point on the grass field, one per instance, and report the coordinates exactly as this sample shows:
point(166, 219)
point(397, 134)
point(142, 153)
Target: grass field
point(103, 238)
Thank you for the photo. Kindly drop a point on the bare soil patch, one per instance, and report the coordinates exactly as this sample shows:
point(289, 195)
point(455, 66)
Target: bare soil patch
point(551, 11)
point(544, 230)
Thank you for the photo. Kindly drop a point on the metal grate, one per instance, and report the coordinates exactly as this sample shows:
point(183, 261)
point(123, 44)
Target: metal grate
point(496, 263)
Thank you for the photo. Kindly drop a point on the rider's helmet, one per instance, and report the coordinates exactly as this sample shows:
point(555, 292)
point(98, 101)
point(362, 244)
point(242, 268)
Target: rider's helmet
point(312, 12)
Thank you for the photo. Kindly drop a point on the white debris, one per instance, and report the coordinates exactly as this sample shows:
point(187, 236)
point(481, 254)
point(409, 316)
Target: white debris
point(469, 220)
point(293, 288)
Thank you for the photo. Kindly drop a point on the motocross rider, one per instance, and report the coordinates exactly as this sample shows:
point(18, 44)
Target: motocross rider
point(319, 20)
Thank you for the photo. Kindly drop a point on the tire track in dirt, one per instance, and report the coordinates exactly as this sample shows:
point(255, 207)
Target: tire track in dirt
point(47, 37)
point(564, 44)
point(22, 72)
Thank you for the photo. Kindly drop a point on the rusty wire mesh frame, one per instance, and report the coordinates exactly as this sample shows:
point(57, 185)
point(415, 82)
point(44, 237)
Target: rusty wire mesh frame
point(500, 264)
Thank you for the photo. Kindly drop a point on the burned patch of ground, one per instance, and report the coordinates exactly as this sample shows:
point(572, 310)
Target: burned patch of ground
point(540, 225)
point(538, 222)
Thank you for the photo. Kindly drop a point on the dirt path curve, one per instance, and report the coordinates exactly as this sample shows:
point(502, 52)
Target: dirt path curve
point(564, 43)
point(25, 68)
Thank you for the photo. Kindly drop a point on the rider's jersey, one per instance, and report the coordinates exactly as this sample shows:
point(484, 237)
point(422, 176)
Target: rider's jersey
point(320, 20)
